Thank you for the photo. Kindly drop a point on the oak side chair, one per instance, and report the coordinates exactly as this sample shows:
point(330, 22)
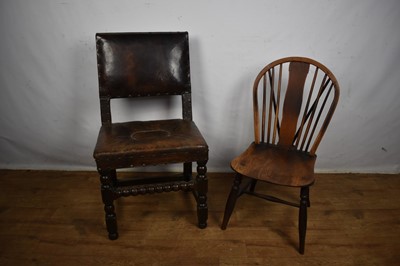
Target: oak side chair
point(298, 97)
point(133, 65)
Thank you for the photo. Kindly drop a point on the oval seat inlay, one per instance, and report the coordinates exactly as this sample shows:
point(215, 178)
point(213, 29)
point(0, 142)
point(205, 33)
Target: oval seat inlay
point(149, 134)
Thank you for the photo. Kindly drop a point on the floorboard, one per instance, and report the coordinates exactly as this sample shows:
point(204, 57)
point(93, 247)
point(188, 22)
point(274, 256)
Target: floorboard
point(56, 218)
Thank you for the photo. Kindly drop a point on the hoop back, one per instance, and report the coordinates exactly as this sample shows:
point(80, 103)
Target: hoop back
point(298, 97)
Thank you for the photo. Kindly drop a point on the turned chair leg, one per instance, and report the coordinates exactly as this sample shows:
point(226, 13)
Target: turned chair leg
point(230, 204)
point(201, 187)
point(107, 178)
point(304, 203)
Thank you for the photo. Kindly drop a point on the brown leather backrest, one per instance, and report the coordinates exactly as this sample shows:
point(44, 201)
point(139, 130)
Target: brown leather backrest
point(143, 64)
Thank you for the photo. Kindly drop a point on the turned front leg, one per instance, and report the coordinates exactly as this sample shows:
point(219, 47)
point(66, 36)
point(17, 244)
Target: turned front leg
point(201, 191)
point(107, 178)
point(230, 203)
point(304, 203)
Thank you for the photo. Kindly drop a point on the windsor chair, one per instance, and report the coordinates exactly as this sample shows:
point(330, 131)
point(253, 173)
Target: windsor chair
point(298, 97)
point(134, 65)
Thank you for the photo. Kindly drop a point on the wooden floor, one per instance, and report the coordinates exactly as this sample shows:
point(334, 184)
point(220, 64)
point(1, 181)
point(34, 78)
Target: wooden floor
point(56, 218)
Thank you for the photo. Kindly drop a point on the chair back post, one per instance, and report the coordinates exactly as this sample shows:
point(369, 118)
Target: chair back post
point(105, 111)
point(187, 106)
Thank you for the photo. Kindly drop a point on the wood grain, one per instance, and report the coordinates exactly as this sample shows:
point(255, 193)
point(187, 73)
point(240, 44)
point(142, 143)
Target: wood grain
point(56, 218)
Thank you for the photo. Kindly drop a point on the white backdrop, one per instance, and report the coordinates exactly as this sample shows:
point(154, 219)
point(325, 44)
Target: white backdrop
point(49, 108)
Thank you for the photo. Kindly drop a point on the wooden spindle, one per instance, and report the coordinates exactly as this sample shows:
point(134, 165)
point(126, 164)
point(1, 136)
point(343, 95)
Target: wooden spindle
point(304, 118)
point(312, 111)
point(264, 95)
point(277, 104)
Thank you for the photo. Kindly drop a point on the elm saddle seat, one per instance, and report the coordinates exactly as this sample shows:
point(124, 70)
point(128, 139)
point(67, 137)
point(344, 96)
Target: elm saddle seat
point(133, 65)
point(288, 127)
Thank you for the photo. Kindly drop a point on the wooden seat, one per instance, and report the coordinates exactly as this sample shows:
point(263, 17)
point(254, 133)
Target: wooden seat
point(298, 97)
point(276, 165)
point(133, 65)
point(137, 143)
